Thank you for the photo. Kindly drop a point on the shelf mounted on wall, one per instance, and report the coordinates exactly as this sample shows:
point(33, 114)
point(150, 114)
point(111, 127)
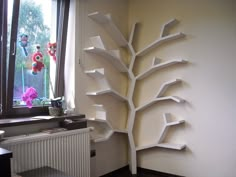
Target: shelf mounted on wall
point(107, 23)
point(105, 130)
point(160, 142)
point(115, 58)
point(105, 88)
point(112, 56)
point(156, 65)
point(159, 96)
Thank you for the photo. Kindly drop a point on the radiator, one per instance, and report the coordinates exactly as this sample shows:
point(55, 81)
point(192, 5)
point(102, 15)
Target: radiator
point(67, 151)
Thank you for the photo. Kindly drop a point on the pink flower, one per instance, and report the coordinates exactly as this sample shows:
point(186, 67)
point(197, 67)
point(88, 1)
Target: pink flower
point(29, 95)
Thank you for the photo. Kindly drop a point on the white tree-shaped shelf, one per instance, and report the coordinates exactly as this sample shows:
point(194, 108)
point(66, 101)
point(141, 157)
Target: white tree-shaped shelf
point(114, 57)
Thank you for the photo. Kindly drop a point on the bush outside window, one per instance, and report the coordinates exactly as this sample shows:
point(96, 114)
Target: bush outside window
point(32, 34)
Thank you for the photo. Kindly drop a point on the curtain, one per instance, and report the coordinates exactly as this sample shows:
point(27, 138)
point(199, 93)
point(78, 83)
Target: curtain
point(69, 73)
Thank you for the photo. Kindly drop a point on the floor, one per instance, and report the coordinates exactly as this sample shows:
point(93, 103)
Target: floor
point(124, 172)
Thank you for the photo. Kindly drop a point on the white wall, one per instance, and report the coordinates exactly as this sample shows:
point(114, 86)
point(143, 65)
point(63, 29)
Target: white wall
point(209, 86)
point(111, 154)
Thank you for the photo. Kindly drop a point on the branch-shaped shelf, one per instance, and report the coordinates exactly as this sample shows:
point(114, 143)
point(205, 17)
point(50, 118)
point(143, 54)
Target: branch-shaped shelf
point(120, 131)
point(166, 27)
point(171, 146)
point(159, 96)
point(158, 42)
point(162, 145)
point(110, 27)
point(103, 130)
point(112, 56)
point(155, 100)
point(157, 66)
point(96, 73)
point(105, 87)
point(165, 86)
point(131, 36)
point(108, 91)
point(167, 123)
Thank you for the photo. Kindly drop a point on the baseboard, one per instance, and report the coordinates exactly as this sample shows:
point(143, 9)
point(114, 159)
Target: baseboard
point(124, 171)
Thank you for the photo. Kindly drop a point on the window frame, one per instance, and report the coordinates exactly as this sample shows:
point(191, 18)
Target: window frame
point(3, 50)
point(7, 80)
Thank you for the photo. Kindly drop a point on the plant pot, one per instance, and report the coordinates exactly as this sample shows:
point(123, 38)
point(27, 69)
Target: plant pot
point(54, 111)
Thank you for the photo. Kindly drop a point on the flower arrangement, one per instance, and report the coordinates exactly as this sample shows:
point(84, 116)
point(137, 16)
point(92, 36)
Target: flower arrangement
point(29, 95)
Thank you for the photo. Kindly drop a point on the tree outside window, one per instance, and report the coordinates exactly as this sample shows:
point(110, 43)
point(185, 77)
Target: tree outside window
point(29, 19)
point(31, 23)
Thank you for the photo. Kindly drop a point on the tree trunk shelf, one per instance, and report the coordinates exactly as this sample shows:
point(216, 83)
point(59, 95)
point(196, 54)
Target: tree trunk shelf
point(103, 128)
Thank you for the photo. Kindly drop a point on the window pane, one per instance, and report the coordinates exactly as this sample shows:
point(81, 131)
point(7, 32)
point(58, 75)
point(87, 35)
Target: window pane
point(3, 45)
point(9, 18)
point(36, 27)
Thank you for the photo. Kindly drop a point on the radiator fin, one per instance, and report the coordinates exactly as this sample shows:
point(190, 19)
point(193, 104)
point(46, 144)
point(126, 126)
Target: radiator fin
point(67, 151)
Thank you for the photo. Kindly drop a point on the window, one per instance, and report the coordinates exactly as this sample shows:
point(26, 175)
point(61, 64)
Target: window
point(30, 32)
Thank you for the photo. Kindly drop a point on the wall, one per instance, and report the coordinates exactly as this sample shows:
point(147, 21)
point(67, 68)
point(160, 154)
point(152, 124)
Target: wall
point(209, 86)
point(111, 154)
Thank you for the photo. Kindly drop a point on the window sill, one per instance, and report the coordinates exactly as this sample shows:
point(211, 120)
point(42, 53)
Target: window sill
point(39, 119)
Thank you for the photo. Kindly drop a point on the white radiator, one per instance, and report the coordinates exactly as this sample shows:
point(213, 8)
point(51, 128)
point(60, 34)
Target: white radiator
point(67, 151)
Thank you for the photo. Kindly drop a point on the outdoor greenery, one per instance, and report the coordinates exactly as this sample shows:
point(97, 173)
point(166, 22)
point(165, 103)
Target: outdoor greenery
point(31, 22)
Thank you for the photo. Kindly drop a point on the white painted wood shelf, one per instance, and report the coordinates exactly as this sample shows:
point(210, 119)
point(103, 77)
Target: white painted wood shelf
point(97, 47)
point(160, 142)
point(157, 66)
point(155, 100)
point(96, 73)
point(162, 145)
point(172, 146)
point(167, 124)
point(158, 42)
point(165, 86)
point(165, 28)
point(106, 22)
point(159, 96)
point(105, 87)
point(108, 91)
point(103, 128)
point(111, 56)
point(120, 131)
